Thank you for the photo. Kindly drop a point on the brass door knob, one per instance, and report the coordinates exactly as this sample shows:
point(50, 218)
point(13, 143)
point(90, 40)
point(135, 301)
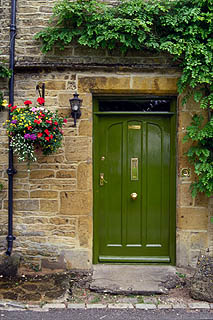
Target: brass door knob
point(134, 195)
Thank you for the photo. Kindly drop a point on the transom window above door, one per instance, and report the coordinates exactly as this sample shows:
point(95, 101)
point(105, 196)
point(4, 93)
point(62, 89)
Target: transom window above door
point(135, 105)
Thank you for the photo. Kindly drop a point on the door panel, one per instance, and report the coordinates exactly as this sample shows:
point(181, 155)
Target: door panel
point(134, 155)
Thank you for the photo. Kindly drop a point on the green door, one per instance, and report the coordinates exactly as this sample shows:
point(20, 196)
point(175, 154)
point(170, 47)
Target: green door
point(134, 189)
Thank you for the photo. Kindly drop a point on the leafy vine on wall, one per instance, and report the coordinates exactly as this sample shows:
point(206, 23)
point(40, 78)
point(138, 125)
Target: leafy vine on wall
point(182, 28)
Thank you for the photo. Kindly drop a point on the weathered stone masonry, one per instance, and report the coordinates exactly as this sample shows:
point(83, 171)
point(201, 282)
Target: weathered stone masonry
point(53, 205)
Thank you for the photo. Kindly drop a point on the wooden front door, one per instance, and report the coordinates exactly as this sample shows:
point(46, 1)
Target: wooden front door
point(134, 189)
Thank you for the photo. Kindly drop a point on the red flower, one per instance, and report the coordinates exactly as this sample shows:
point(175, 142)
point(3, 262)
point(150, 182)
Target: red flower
point(40, 100)
point(30, 127)
point(9, 105)
point(47, 132)
point(27, 102)
point(39, 135)
point(56, 123)
point(65, 120)
point(13, 108)
point(51, 136)
point(54, 128)
point(47, 138)
point(37, 121)
point(49, 121)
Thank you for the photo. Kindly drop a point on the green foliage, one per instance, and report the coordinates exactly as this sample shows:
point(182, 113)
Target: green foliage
point(200, 154)
point(182, 28)
point(4, 73)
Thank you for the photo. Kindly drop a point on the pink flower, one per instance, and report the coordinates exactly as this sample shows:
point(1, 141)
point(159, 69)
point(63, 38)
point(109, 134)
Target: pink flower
point(65, 120)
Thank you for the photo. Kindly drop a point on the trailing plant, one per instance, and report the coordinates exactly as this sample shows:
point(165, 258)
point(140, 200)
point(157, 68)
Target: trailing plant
point(34, 129)
point(4, 73)
point(182, 28)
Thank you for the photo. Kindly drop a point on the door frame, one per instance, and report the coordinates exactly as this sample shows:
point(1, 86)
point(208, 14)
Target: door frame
point(173, 117)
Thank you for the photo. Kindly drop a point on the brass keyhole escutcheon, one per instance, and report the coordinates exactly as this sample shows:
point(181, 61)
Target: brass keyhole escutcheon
point(134, 195)
point(102, 180)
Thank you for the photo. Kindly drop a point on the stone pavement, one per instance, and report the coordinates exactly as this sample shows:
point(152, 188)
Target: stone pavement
point(71, 290)
point(13, 306)
point(131, 279)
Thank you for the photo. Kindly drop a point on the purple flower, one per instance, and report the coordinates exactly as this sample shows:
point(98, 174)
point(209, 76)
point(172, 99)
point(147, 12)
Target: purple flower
point(14, 121)
point(33, 136)
point(27, 136)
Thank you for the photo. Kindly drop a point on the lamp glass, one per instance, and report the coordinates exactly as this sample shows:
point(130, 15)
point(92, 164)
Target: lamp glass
point(75, 107)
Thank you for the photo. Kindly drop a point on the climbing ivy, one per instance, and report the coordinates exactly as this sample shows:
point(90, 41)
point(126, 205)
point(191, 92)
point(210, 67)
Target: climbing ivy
point(201, 154)
point(182, 28)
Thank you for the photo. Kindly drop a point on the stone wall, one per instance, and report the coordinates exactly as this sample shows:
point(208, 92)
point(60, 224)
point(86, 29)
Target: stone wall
point(53, 204)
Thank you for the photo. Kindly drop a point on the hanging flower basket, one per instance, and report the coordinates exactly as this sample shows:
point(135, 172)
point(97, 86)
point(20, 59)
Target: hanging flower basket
point(34, 129)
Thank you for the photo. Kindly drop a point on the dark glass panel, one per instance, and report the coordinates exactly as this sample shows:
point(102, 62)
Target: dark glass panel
point(134, 105)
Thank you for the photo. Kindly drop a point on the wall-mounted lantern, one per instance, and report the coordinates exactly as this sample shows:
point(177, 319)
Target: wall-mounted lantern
point(75, 104)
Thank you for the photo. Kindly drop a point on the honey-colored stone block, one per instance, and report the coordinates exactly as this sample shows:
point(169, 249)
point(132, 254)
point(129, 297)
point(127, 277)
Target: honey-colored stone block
point(30, 220)
point(184, 120)
point(21, 194)
point(59, 221)
point(66, 174)
point(85, 128)
point(41, 174)
point(61, 243)
point(92, 84)
point(77, 259)
point(44, 194)
point(64, 99)
point(182, 248)
point(155, 85)
point(84, 176)
point(64, 232)
point(26, 205)
point(49, 206)
point(199, 240)
point(85, 231)
point(71, 186)
point(55, 85)
point(54, 158)
point(184, 195)
point(21, 174)
point(76, 203)
point(201, 200)
point(76, 148)
point(192, 218)
point(87, 100)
